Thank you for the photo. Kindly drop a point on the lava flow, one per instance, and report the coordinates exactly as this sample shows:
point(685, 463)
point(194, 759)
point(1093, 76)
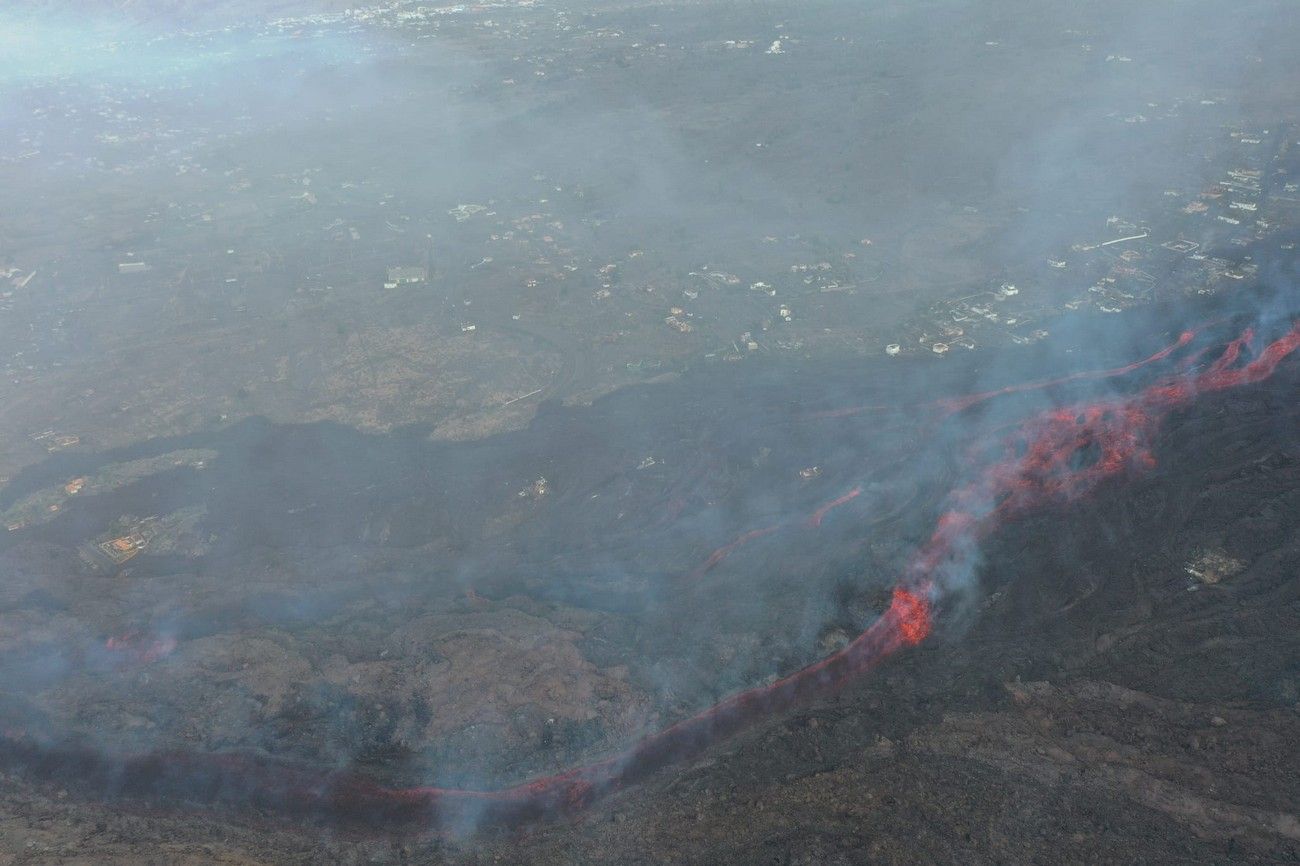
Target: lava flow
point(140, 649)
point(348, 799)
point(951, 405)
point(820, 513)
point(813, 522)
point(1062, 453)
point(1051, 458)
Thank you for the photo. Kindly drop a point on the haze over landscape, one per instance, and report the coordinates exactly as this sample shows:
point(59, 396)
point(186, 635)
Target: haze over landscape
point(612, 431)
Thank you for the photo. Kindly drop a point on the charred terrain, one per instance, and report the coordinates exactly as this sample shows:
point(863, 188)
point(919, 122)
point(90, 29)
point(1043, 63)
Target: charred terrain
point(1120, 670)
point(628, 432)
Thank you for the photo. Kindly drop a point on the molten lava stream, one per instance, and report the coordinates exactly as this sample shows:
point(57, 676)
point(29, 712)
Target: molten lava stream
point(725, 550)
point(1041, 466)
point(1044, 471)
point(952, 405)
point(906, 622)
point(817, 516)
point(813, 522)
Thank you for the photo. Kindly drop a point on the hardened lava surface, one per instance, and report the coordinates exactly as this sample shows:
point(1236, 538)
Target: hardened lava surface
point(1119, 686)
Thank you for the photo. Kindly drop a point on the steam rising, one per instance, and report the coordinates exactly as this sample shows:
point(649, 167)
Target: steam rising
point(482, 548)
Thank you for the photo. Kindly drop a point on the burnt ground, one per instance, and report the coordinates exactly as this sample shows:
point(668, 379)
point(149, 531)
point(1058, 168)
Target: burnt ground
point(1103, 706)
point(1092, 702)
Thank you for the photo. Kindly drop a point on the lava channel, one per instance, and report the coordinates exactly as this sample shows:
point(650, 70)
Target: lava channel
point(1040, 466)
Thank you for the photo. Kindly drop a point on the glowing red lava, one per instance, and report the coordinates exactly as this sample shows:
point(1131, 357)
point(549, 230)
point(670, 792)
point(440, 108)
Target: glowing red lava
point(725, 550)
point(141, 649)
point(912, 610)
point(1062, 453)
point(818, 515)
point(950, 405)
point(813, 522)
point(1052, 457)
point(957, 404)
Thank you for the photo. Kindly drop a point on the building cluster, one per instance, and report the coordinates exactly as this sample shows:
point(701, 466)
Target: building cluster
point(1194, 245)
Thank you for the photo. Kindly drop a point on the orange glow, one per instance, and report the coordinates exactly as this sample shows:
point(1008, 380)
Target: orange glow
point(911, 610)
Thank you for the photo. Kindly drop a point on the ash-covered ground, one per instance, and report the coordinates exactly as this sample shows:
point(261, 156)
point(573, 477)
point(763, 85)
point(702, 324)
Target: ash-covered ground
point(550, 431)
point(1118, 684)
